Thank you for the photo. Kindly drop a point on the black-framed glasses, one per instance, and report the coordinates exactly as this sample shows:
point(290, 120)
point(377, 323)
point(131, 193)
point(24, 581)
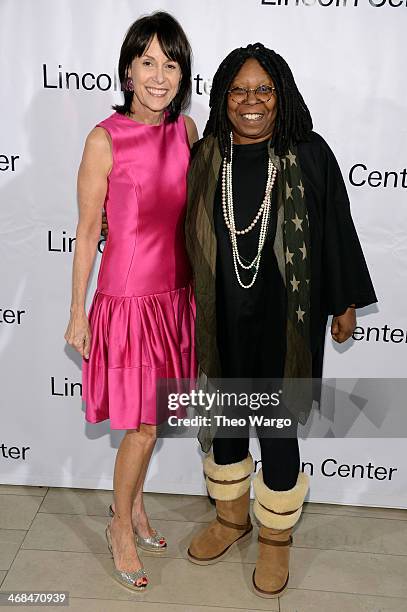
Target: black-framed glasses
point(263, 93)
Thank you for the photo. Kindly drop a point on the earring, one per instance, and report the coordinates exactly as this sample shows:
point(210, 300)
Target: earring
point(128, 84)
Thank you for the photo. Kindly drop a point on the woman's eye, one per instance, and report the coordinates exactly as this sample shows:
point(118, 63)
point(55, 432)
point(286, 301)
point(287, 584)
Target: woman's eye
point(146, 63)
point(171, 66)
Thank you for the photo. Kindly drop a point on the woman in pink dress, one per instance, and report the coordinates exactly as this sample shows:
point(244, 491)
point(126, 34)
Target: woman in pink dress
point(141, 322)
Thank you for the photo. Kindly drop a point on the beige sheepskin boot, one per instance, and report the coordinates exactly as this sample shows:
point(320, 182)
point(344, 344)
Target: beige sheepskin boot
point(277, 513)
point(229, 486)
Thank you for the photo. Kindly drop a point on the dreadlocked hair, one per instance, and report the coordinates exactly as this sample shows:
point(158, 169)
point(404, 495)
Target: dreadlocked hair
point(293, 121)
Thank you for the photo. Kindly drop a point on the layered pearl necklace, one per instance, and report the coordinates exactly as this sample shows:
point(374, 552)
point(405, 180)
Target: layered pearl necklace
point(229, 216)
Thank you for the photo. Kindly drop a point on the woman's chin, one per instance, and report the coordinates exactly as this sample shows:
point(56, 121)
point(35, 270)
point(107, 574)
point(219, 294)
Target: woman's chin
point(249, 136)
point(156, 104)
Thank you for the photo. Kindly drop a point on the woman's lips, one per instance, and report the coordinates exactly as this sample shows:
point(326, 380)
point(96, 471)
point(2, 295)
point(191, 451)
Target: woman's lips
point(252, 117)
point(156, 92)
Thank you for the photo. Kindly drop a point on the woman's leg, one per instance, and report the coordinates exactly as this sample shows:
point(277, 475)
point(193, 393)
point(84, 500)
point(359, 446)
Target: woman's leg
point(134, 452)
point(139, 516)
point(230, 450)
point(228, 475)
point(231, 442)
point(280, 453)
point(280, 489)
point(280, 462)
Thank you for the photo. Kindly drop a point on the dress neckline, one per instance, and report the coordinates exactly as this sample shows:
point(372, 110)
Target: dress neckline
point(140, 123)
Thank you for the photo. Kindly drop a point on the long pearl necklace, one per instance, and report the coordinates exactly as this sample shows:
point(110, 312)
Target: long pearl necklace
point(229, 216)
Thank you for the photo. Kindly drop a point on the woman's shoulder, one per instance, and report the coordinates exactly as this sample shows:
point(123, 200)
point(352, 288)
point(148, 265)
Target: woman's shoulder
point(109, 121)
point(192, 130)
point(316, 147)
point(98, 141)
point(97, 144)
point(314, 141)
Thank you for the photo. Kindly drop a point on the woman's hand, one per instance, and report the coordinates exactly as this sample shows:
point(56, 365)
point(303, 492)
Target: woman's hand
point(78, 334)
point(343, 325)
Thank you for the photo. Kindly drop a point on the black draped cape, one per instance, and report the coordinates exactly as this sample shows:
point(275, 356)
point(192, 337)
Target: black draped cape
point(251, 322)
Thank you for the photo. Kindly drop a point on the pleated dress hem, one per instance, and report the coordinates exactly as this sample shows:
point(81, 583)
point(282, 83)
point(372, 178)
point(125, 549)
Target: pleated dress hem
point(135, 342)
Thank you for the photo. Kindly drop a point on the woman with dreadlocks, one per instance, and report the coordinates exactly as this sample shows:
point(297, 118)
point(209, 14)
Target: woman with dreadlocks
point(274, 251)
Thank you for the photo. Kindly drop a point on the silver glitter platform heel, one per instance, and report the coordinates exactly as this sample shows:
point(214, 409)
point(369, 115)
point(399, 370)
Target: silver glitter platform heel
point(126, 579)
point(155, 543)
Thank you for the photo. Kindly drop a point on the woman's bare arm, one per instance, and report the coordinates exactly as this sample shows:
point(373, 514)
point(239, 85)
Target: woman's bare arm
point(92, 186)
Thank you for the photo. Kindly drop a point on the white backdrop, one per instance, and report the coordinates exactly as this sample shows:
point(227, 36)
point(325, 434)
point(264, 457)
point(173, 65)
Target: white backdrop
point(348, 59)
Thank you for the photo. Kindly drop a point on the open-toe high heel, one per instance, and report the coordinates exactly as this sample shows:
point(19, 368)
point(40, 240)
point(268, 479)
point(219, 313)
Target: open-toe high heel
point(126, 579)
point(155, 543)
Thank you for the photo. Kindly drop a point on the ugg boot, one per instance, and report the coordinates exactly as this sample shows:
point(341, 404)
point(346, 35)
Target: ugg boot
point(229, 486)
point(277, 512)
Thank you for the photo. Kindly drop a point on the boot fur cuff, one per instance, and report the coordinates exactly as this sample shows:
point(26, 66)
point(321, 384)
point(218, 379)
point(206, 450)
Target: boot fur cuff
point(279, 509)
point(228, 482)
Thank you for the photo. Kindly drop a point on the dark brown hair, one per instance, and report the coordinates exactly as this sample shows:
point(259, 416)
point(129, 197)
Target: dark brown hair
point(174, 45)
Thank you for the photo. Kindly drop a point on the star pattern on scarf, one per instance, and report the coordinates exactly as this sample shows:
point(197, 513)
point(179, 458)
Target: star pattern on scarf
point(294, 282)
point(288, 256)
point(288, 191)
point(297, 222)
point(296, 249)
point(300, 314)
point(292, 158)
point(303, 250)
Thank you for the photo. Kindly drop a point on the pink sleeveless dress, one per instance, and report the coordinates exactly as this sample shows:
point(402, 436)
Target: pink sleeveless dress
point(143, 313)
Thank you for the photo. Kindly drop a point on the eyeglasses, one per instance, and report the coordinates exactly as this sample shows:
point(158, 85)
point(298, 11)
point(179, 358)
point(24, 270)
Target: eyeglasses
point(263, 93)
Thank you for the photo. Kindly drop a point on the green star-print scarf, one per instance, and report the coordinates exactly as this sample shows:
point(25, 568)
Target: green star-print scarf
point(292, 250)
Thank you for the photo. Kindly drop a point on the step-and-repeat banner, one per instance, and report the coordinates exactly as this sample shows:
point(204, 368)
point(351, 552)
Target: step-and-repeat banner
point(58, 79)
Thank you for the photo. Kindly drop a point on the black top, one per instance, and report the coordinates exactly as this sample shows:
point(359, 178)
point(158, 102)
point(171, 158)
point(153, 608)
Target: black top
point(251, 322)
point(251, 334)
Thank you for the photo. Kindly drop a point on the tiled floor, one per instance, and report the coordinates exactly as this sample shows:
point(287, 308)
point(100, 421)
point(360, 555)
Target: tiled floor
point(344, 559)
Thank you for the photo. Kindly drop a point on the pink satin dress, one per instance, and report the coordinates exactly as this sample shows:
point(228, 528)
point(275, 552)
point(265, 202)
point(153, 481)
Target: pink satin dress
point(143, 313)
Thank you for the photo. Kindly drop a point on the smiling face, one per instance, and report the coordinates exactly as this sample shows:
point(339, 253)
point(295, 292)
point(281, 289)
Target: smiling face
point(156, 80)
point(252, 121)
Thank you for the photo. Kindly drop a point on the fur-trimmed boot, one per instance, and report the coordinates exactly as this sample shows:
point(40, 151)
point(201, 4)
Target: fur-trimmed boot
point(229, 486)
point(277, 512)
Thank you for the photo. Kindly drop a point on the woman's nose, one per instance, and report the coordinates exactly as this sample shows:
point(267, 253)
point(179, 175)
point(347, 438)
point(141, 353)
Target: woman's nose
point(251, 97)
point(159, 75)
